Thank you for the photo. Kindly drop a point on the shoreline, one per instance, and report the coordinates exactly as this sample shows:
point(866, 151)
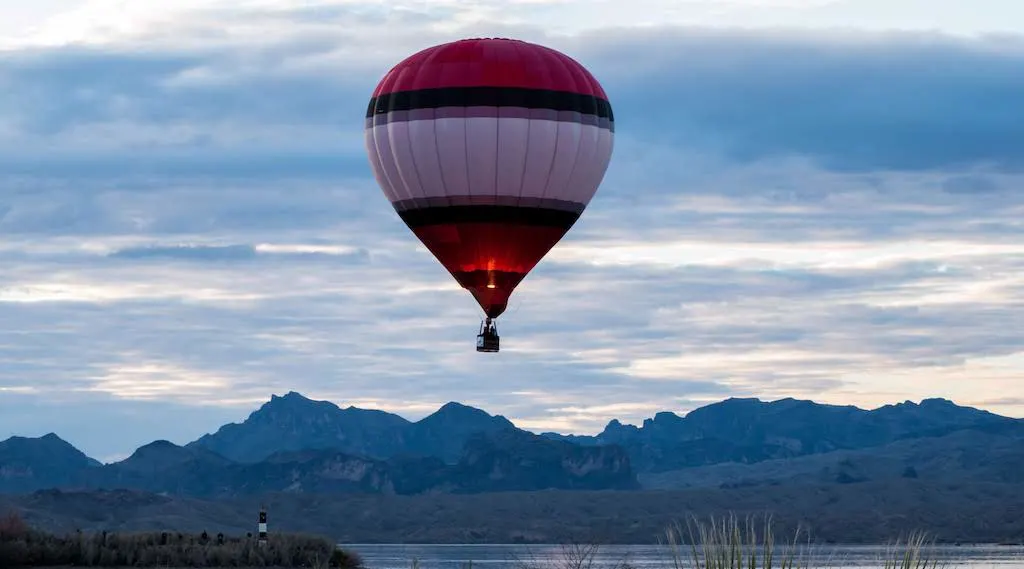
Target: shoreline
point(854, 514)
point(654, 544)
point(25, 546)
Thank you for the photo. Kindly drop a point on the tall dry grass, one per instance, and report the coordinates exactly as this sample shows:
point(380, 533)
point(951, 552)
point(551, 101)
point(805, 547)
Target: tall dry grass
point(728, 543)
point(917, 552)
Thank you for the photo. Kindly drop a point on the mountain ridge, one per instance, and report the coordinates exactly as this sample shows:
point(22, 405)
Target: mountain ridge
point(295, 444)
point(503, 461)
point(613, 432)
point(748, 430)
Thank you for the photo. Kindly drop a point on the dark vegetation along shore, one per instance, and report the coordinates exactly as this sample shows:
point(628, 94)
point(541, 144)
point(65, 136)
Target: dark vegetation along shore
point(24, 546)
point(718, 543)
point(869, 513)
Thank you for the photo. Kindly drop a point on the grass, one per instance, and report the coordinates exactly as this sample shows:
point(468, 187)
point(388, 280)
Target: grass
point(23, 546)
point(729, 543)
point(915, 553)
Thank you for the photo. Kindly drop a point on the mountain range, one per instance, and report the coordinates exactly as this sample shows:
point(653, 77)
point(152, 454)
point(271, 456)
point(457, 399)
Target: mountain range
point(298, 445)
point(462, 475)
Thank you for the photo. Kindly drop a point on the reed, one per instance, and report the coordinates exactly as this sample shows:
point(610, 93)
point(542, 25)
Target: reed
point(916, 552)
point(728, 543)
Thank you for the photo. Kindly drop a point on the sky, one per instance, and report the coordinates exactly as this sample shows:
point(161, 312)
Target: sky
point(819, 199)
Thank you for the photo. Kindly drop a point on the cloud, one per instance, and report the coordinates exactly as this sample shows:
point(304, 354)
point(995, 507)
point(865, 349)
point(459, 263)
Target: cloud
point(848, 101)
point(189, 224)
point(196, 252)
point(241, 252)
point(58, 22)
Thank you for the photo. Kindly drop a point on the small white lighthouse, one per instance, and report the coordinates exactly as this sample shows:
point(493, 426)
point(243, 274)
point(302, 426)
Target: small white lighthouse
point(263, 526)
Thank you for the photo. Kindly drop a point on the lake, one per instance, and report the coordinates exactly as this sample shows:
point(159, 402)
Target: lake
point(398, 556)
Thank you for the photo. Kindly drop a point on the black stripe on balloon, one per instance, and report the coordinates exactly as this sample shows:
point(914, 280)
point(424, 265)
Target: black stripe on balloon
point(488, 200)
point(454, 214)
point(490, 97)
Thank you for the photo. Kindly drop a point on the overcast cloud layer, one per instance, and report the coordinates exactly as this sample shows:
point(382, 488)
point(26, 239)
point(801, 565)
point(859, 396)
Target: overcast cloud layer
point(189, 223)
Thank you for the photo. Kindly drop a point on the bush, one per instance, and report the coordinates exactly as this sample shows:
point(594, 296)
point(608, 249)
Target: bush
point(23, 546)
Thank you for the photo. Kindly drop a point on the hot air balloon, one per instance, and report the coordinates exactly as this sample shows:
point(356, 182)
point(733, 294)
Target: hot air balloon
point(489, 150)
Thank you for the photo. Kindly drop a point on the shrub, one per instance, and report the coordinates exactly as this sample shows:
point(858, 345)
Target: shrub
point(23, 546)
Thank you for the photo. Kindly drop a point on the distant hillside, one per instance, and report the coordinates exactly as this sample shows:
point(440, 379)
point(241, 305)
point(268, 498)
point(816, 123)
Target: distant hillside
point(499, 461)
point(872, 512)
point(45, 462)
point(961, 456)
point(750, 431)
point(514, 459)
point(735, 430)
point(294, 423)
point(297, 445)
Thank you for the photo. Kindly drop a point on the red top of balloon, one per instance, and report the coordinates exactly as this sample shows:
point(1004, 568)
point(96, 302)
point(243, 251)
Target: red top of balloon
point(490, 62)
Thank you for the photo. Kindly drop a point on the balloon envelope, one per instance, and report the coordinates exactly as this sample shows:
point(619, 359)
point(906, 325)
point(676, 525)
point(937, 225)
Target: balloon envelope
point(489, 150)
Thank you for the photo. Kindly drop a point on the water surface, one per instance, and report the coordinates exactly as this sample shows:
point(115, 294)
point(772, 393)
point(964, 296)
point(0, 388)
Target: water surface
point(398, 556)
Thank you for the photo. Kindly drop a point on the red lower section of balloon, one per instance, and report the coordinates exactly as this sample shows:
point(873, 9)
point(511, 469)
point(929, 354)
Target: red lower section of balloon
point(489, 259)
